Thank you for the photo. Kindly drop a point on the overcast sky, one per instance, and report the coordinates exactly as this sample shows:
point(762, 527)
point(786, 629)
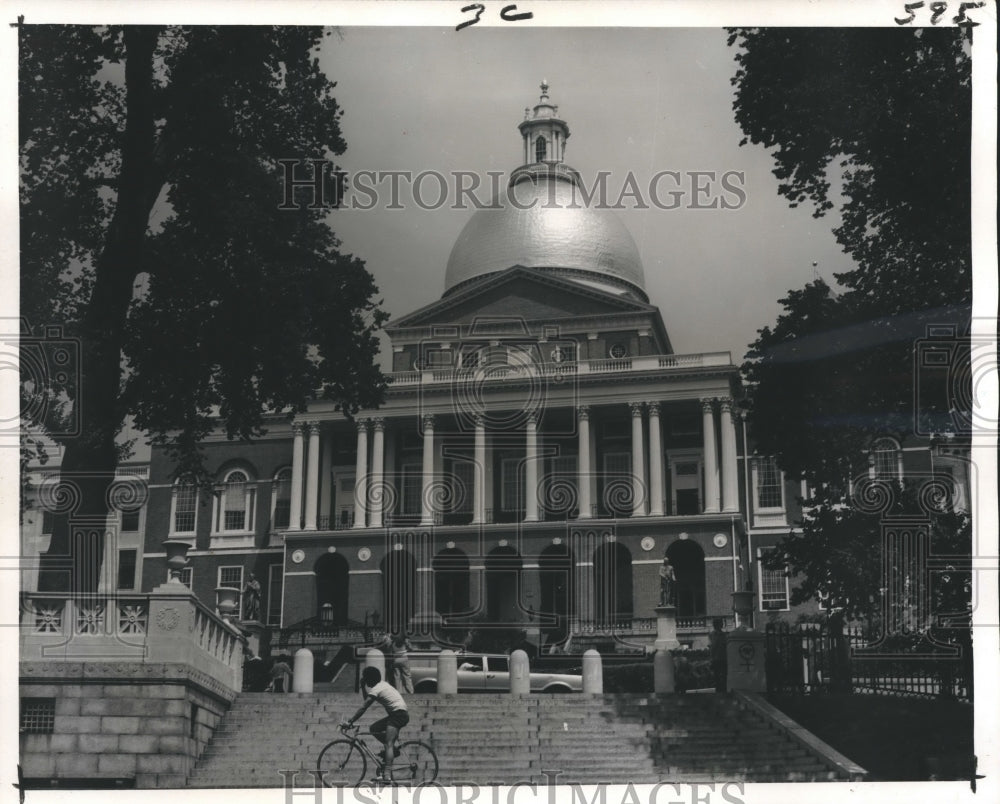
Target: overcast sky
point(640, 100)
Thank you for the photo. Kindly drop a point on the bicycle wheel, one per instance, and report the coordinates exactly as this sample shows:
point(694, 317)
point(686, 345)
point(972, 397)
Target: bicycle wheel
point(341, 764)
point(416, 763)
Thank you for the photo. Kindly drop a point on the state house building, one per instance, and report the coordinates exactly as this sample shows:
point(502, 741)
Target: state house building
point(540, 448)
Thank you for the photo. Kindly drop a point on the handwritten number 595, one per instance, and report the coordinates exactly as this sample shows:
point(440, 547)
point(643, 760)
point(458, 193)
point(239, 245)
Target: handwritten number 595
point(938, 10)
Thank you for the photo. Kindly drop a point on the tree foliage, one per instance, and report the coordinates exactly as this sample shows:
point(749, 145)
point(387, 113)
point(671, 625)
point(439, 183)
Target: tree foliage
point(891, 108)
point(873, 125)
point(151, 232)
point(843, 556)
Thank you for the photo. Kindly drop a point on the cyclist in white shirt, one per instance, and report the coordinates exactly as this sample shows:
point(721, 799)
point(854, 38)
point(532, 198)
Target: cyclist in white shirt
point(386, 729)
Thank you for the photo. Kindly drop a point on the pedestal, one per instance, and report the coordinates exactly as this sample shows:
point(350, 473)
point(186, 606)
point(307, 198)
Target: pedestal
point(256, 633)
point(666, 628)
point(745, 654)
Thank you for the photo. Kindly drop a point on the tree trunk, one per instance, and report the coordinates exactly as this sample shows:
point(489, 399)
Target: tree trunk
point(73, 560)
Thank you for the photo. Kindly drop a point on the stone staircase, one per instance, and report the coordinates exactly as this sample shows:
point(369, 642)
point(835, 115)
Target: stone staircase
point(543, 739)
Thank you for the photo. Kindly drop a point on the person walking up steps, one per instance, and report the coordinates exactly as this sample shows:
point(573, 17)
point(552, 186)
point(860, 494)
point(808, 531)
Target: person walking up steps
point(386, 729)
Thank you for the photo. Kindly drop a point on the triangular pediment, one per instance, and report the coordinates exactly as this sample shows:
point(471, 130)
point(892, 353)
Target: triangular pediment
point(528, 293)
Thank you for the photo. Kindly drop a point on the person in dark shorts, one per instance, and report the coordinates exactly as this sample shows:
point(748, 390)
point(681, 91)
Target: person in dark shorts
point(385, 730)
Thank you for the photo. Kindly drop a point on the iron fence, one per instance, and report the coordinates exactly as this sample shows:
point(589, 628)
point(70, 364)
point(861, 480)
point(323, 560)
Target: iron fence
point(813, 657)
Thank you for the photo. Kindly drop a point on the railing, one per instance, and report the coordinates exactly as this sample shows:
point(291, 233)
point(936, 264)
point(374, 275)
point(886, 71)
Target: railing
point(810, 658)
point(502, 372)
point(167, 625)
point(643, 625)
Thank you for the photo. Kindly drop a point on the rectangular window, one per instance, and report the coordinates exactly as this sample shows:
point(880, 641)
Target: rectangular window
point(463, 486)
point(185, 507)
point(561, 497)
point(274, 584)
point(127, 561)
point(130, 521)
point(773, 586)
point(768, 481)
point(38, 715)
point(510, 489)
point(412, 486)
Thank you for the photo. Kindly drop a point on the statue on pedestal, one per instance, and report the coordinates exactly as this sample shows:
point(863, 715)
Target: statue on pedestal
point(251, 599)
point(668, 583)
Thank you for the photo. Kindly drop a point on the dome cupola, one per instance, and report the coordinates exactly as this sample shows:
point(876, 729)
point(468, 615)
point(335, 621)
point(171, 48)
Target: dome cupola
point(543, 221)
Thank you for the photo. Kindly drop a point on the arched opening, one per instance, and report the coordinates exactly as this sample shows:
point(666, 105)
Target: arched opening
point(540, 149)
point(399, 589)
point(688, 560)
point(503, 585)
point(451, 581)
point(332, 580)
point(557, 588)
point(612, 583)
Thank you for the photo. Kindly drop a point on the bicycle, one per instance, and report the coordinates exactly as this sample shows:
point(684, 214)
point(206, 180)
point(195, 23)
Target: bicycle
point(343, 762)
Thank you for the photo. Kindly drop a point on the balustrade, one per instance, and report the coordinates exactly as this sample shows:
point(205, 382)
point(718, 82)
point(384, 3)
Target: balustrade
point(167, 625)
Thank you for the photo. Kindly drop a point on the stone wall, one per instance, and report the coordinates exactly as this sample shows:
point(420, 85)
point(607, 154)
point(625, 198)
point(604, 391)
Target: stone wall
point(143, 732)
point(122, 691)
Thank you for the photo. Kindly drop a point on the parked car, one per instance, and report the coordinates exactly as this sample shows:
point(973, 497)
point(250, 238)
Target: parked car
point(486, 672)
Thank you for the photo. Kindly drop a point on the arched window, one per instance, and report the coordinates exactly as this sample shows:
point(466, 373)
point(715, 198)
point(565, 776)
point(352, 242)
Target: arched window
point(885, 461)
point(281, 499)
point(234, 503)
point(184, 509)
point(540, 149)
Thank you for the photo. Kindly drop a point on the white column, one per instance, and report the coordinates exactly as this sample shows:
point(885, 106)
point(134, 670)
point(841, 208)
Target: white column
point(531, 469)
point(730, 475)
point(376, 493)
point(655, 461)
point(710, 457)
point(638, 462)
point(583, 467)
point(295, 505)
point(479, 474)
point(312, 476)
point(361, 475)
point(427, 490)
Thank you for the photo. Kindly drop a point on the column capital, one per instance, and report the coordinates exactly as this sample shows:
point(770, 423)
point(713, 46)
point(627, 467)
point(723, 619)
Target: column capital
point(312, 427)
point(707, 404)
point(654, 408)
point(362, 425)
point(532, 418)
point(427, 421)
point(478, 420)
point(298, 428)
point(378, 423)
point(727, 404)
point(583, 412)
point(636, 408)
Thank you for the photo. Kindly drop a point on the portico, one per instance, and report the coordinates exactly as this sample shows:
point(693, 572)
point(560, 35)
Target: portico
point(540, 460)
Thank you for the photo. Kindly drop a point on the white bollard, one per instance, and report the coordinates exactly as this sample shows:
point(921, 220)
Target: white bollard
point(447, 666)
point(663, 672)
point(375, 658)
point(302, 672)
point(520, 673)
point(593, 673)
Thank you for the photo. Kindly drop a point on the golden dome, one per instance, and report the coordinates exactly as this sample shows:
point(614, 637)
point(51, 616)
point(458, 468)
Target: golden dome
point(543, 222)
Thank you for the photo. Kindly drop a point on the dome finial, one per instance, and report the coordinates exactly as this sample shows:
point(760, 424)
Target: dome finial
point(545, 90)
